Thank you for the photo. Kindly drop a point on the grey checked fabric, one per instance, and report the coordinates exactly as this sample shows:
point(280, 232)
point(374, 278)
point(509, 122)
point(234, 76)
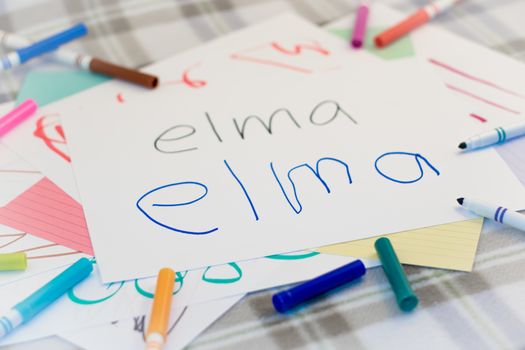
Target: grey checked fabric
point(484, 309)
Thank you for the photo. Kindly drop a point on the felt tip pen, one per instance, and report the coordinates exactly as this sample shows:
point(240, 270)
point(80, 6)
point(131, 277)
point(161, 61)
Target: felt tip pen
point(17, 116)
point(406, 299)
point(28, 308)
point(13, 261)
point(494, 212)
point(413, 21)
point(86, 62)
point(160, 311)
point(358, 35)
point(290, 298)
point(494, 136)
point(41, 47)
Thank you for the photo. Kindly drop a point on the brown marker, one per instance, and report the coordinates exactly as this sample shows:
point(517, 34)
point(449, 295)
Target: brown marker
point(86, 62)
point(123, 73)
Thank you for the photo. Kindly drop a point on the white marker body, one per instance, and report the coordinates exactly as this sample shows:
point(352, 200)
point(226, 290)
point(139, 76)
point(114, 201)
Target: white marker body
point(494, 212)
point(495, 136)
point(9, 61)
point(439, 6)
point(10, 321)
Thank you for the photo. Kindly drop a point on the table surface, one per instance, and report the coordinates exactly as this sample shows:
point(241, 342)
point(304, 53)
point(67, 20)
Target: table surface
point(479, 310)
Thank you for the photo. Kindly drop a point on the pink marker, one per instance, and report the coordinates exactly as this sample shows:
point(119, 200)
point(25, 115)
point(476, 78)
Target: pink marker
point(358, 36)
point(17, 115)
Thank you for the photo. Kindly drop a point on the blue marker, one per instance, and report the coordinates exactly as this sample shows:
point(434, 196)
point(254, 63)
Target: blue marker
point(288, 299)
point(24, 54)
point(45, 296)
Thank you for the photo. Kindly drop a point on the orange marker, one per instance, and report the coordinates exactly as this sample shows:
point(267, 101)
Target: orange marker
point(160, 312)
point(413, 21)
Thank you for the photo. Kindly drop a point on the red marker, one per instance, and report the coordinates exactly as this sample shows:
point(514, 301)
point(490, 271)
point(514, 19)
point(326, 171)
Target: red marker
point(418, 18)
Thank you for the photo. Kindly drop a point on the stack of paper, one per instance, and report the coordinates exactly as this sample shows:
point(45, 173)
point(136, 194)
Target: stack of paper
point(281, 140)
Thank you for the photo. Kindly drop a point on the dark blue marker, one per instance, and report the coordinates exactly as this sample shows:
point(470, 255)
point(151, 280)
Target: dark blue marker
point(288, 299)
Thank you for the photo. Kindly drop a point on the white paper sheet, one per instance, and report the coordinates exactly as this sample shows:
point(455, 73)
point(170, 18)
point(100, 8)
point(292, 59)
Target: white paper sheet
point(15, 177)
point(92, 303)
point(128, 334)
point(486, 86)
point(184, 173)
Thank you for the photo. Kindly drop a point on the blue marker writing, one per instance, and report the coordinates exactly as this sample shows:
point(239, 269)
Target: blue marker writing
point(418, 157)
point(316, 172)
point(45, 296)
point(143, 207)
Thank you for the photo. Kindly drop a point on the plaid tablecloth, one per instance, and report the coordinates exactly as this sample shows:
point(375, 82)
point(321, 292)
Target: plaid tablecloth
point(479, 310)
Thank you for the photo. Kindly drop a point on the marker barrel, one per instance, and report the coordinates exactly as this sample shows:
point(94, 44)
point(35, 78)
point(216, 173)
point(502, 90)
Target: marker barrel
point(288, 299)
point(415, 20)
point(495, 136)
point(131, 75)
point(17, 116)
point(51, 43)
point(160, 311)
point(496, 213)
point(358, 36)
point(402, 28)
point(54, 289)
point(13, 261)
point(405, 296)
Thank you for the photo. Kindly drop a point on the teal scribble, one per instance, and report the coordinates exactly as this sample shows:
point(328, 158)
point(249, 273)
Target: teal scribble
point(223, 280)
point(292, 256)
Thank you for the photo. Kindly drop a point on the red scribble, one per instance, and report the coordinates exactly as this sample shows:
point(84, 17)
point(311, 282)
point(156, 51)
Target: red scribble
point(251, 55)
point(186, 80)
point(474, 78)
point(480, 118)
point(120, 99)
point(479, 98)
point(45, 126)
point(299, 48)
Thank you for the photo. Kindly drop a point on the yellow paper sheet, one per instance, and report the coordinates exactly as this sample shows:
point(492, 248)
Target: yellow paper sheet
point(450, 246)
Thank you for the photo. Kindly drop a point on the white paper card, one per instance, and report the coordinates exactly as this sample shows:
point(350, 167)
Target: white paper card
point(196, 179)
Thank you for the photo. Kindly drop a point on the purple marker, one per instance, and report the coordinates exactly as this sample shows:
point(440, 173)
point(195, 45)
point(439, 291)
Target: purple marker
point(358, 36)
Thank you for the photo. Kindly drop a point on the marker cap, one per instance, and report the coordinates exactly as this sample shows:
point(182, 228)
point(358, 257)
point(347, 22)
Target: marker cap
point(406, 298)
point(13, 261)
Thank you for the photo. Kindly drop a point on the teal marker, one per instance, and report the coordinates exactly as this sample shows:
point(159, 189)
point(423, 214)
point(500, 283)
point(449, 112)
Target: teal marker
point(405, 296)
point(28, 308)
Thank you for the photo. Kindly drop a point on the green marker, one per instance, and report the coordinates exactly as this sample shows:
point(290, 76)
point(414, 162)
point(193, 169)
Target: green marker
point(13, 261)
point(406, 298)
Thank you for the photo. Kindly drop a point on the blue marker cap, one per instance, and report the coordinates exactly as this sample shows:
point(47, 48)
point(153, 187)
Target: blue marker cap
point(288, 299)
point(51, 43)
point(55, 288)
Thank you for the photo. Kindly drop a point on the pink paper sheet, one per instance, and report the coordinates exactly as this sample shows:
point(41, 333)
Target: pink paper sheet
point(44, 210)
